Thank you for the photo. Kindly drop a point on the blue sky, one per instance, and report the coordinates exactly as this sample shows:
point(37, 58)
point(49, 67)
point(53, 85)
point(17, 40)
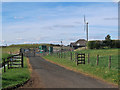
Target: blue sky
point(51, 22)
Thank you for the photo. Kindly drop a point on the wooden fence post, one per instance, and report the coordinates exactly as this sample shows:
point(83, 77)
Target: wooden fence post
point(75, 56)
point(34, 52)
point(109, 62)
point(77, 59)
point(97, 59)
point(88, 58)
point(22, 60)
point(8, 62)
point(61, 54)
point(57, 54)
point(20, 50)
point(71, 55)
point(64, 54)
point(4, 65)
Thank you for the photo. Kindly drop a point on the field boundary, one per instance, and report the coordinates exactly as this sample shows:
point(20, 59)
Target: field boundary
point(12, 61)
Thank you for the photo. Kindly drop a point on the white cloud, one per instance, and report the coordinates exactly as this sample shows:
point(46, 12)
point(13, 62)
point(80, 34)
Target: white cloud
point(116, 0)
point(30, 42)
point(67, 24)
point(15, 17)
point(19, 38)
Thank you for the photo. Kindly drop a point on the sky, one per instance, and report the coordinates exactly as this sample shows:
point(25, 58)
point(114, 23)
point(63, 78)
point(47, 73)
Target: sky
point(60, 0)
point(51, 22)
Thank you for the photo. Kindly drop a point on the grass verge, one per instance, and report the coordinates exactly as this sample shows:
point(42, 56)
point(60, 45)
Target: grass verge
point(15, 76)
point(101, 71)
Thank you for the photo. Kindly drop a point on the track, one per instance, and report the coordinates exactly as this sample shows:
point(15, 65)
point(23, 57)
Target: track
point(54, 76)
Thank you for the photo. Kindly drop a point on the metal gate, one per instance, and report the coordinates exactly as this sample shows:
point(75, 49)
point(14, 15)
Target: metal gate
point(30, 52)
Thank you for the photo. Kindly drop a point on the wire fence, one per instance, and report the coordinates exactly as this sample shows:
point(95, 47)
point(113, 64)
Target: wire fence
point(109, 61)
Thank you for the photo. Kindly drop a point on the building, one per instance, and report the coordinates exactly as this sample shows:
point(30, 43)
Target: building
point(79, 43)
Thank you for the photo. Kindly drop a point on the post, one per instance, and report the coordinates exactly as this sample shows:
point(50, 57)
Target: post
point(88, 58)
point(87, 31)
point(4, 65)
point(97, 59)
point(77, 59)
point(20, 50)
point(71, 55)
point(64, 54)
point(22, 60)
point(109, 62)
point(59, 54)
point(11, 61)
point(8, 62)
point(34, 52)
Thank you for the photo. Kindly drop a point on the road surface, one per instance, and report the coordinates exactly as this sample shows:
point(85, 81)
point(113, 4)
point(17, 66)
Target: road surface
point(54, 76)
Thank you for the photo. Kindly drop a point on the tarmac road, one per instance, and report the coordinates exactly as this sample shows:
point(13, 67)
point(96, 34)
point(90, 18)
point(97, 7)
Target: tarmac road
point(54, 76)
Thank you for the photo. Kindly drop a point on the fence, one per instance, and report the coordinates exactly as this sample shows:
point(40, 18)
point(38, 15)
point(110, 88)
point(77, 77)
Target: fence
point(97, 60)
point(15, 61)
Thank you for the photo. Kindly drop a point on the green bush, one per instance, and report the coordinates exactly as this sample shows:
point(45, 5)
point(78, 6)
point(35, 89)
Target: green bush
point(97, 44)
point(91, 44)
point(103, 44)
point(115, 44)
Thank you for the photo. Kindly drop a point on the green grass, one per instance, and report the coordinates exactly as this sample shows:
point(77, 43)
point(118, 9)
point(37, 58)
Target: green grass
point(4, 55)
point(10, 49)
point(101, 71)
point(5, 52)
point(15, 76)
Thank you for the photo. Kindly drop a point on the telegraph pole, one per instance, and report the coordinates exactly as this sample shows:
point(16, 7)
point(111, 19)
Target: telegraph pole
point(86, 28)
point(87, 31)
point(61, 45)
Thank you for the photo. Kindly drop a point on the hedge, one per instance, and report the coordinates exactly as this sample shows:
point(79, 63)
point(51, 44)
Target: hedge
point(102, 44)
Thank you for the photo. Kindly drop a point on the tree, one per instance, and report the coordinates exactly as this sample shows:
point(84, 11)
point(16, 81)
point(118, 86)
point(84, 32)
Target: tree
point(91, 44)
point(108, 38)
point(97, 44)
point(108, 41)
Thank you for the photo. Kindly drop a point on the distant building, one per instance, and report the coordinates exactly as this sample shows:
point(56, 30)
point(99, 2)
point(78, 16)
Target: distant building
point(79, 43)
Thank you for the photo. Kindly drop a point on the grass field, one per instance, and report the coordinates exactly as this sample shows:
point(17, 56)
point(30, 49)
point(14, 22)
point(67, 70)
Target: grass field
point(15, 76)
point(5, 52)
point(10, 50)
point(101, 71)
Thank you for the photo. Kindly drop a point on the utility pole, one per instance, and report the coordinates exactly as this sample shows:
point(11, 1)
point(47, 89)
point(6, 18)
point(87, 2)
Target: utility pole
point(86, 27)
point(87, 30)
point(61, 45)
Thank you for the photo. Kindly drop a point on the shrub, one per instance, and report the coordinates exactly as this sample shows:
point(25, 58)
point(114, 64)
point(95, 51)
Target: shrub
point(115, 44)
point(97, 44)
point(103, 44)
point(91, 44)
